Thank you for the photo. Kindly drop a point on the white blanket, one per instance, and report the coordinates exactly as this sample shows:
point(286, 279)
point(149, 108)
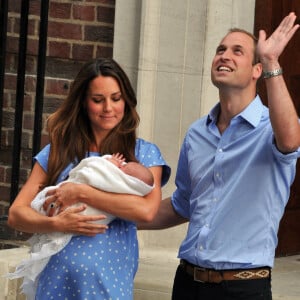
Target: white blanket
point(95, 171)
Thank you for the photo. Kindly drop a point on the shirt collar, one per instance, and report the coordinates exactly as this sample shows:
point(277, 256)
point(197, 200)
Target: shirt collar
point(252, 113)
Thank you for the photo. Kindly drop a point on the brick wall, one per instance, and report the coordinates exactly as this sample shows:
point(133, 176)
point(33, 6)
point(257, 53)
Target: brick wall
point(77, 32)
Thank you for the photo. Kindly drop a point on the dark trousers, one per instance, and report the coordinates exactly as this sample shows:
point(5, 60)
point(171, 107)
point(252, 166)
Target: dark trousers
point(185, 288)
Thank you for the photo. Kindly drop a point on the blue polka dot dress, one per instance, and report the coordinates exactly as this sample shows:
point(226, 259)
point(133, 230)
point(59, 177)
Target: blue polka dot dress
point(101, 267)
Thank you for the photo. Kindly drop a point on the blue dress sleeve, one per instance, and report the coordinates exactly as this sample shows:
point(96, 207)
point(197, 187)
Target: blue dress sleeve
point(149, 155)
point(42, 157)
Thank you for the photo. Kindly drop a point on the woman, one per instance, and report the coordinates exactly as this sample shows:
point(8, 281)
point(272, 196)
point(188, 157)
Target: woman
point(98, 117)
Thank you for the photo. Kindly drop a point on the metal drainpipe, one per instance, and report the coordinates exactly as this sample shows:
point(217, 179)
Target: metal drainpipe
point(3, 32)
point(39, 96)
point(19, 101)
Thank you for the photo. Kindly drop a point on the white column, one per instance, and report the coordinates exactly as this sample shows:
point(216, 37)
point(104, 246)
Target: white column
point(166, 47)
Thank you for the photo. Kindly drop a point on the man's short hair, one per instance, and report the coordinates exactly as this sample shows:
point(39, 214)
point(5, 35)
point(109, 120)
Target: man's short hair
point(253, 37)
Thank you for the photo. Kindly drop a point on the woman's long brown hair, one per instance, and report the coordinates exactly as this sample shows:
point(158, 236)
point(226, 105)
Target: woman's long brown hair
point(69, 128)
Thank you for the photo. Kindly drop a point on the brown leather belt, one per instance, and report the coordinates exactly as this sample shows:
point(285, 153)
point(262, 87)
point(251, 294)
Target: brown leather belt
point(216, 276)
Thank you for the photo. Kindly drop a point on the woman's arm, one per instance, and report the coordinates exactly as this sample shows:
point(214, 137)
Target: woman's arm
point(126, 206)
point(23, 218)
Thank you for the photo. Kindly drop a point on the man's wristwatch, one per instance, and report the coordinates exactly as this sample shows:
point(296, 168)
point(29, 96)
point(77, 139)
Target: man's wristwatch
point(273, 73)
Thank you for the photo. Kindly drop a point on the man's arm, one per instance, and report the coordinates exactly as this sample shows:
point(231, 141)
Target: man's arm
point(165, 218)
point(283, 114)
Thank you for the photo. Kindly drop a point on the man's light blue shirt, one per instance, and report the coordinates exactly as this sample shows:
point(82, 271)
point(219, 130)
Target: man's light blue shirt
point(233, 188)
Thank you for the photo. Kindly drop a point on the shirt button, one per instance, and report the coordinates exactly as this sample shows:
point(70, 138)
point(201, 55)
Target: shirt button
point(201, 247)
point(220, 150)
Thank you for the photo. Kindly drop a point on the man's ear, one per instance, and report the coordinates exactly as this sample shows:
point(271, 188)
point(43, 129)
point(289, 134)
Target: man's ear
point(257, 71)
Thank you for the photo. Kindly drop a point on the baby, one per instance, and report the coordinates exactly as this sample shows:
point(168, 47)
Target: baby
point(134, 169)
point(109, 173)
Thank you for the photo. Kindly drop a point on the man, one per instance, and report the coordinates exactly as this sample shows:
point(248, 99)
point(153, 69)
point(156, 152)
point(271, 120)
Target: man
point(234, 173)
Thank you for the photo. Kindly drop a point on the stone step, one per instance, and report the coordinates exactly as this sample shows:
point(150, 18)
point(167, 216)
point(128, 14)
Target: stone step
point(9, 259)
point(154, 278)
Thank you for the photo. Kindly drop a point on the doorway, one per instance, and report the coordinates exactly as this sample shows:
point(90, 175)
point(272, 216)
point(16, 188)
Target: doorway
point(268, 15)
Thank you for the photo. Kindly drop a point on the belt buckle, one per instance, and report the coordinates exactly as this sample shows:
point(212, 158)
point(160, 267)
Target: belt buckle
point(199, 269)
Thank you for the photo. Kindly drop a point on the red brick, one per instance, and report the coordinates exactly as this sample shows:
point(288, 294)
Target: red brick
point(30, 84)
point(29, 102)
point(10, 81)
point(26, 158)
point(14, 5)
point(82, 52)
point(31, 64)
point(51, 104)
point(99, 34)
point(84, 13)
point(12, 44)
point(5, 192)
point(6, 155)
point(59, 10)
point(104, 51)
point(44, 140)
point(8, 119)
point(62, 68)
point(32, 27)
point(28, 121)
point(107, 2)
point(9, 137)
point(23, 175)
point(32, 46)
point(64, 30)
point(11, 62)
point(57, 87)
point(59, 49)
point(15, 25)
point(6, 99)
point(106, 14)
point(3, 139)
point(35, 7)
point(10, 24)
point(2, 173)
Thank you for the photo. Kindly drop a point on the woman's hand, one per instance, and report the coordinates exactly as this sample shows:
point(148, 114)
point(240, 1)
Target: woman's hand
point(71, 221)
point(57, 200)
